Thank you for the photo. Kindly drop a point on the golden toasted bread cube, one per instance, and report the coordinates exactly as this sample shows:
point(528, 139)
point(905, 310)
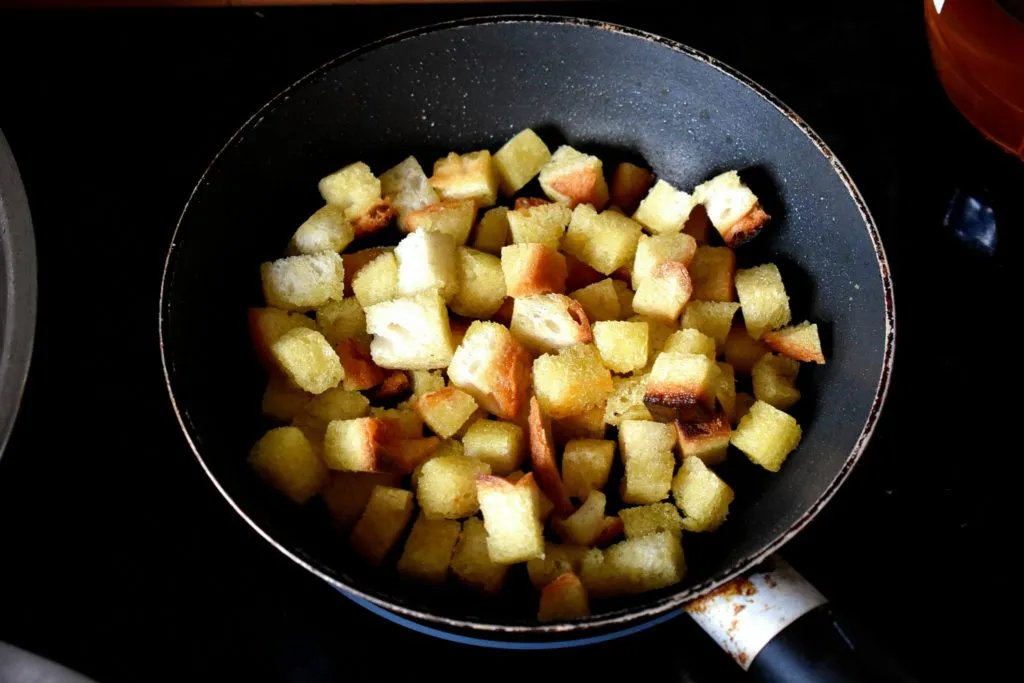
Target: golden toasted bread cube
point(706, 438)
point(557, 560)
point(328, 229)
point(428, 550)
point(600, 300)
point(445, 448)
point(308, 360)
point(493, 368)
point(355, 261)
point(651, 252)
point(546, 507)
point(532, 269)
point(646, 449)
point(572, 382)
point(481, 284)
point(626, 401)
point(713, 318)
point(663, 295)
point(410, 333)
point(452, 217)
point(512, 519)
point(767, 435)
point(630, 184)
point(774, 380)
point(426, 260)
point(542, 459)
point(799, 342)
point(502, 445)
point(742, 351)
point(549, 322)
point(304, 282)
point(472, 564)
point(282, 400)
point(690, 341)
point(341, 320)
point(408, 454)
point(466, 176)
point(572, 178)
point(585, 525)
point(657, 336)
point(519, 160)
point(347, 493)
point(604, 241)
point(625, 295)
point(665, 209)
point(426, 381)
point(445, 411)
point(408, 188)
point(409, 422)
point(542, 224)
point(743, 403)
point(587, 425)
point(651, 519)
point(732, 208)
point(286, 460)
point(681, 380)
point(333, 404)
point(266, 325)
point(725, 393)
point(386, 515)
point(492, 231)
point(360, 444)
point(564, 599)
point(713, 271)
point(446, 486)
point(585, 465)
point(635, 565)
point(622, 344)
point(701, 495)
point(763, 298)
point(377, 281)
point(355, 189)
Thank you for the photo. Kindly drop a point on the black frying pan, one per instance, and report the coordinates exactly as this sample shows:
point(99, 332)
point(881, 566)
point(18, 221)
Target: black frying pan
point(619, 93)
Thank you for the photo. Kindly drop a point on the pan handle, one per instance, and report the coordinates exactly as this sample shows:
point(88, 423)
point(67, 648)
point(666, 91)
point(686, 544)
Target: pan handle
point(780, 629)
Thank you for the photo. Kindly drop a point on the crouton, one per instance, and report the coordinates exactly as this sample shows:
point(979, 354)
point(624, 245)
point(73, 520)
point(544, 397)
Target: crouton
point(690, 341)
point(445, 411)
point(742, 351)
point(585, 525)
point(303, 283)
point(557, 560)
point(267, 325)
point(377, 281)
point(774, 380)
point(287, 461)
point(426, 381)
point(341, 320)
point(386, 515)
point(610, 531)
point(635, 565)
point(564, 599)
point(701, 495)
point(446, 486)
point(646, 450)
point(763, 299)
point(622, 344)
point(492, 231)
point(466, 176)
point(766, 435)
point(499, 444)
point(651, 519)
point(799, 342)
point(327, 229)
point(713, 271)
point(587, 425)
point(472, 564)
point(408, 454)
point(681, 380)
point(605, 241)
point(510, 512)
point(572, 178)
point(625, 295)
point(410, 333)
point(585, 466)
point(545, 506)
point(428, 550)
point(359, 445)
point(732, 208)
point(630, 184)
point(493, 368)
point(725, 392)
point(333, 404)
point(408, 188)
point(445, 448)
point(531, 269)
point(713, 318)
point(665, 209)
point(549, 322)
point(571, 382)
point(360, 370)
point(282, 400)
point(743, 403)
point(426, 260)
point(308, 360)
point(626, 402)
point(663, 295)
point(452, 217)
point(410, 424)
point(519, 160)
point(355, 261)
point(481, 284)
point(542, 458)
point(657, 335)
point(600, 300)
point(707, 439)
point(396, 383)
point(580, 274)
point(356, 190)
point(543, 223)
point(347, 493)
point(651, 252)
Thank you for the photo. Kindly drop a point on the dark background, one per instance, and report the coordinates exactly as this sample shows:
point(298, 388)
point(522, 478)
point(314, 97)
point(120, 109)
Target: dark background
point(117, 556)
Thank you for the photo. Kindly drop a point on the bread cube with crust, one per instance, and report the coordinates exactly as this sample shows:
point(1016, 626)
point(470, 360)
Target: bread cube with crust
point(266, 325)
point(646, 450)
point(446, 486)
point(408, 421)
point(492, 231)
point(713, 318)
point(408, 188)
point(542, 459)
point(445, 448)
point(519, 160)
point(511, 517)
point(386, 516)
point(541, 223)
point(585, 525)
point(282, 400)
point(304, 282)
point(635, 565)
point(344, 319)
point(689, 340)
point(408, 454)
point(774, 380)
point(651, 519)
point(356, 190)
point(732, 208)
point(466, 176)
point(799, 342)
point(328, 229)
point(605, 241)
point(427, 260)
point(546, 507)
point(681, 380)
point(410, 333)
point(308, 360)
point(713, 271)
point(502, 445)
point(428, 550)
point(360, 444)
point(600, 300)
point(586, 464)
point(626, 402)
point(361, 372)
point(472, 564)
point(742, 351)
point(664, 294)
point(445, 411)
point(377, 281)
point(493, 368)
point(549, 322)
point(347, 493)
point(452, 217)
point(481, 284)
point(630, 184)
point(571, 382)
point(706, 437)
point(287, 461)
point(766, 435)
point(558, 559)
point(333, 404)
point(702, 496)
point(564, 599)
point(395, 384)
point(426, 381)
point(532, 269)
point(355, 261)
point(587, 425)
point(651, 252)
point(763, 298)
point(622, 344)
point(665, 209)
point(573, 178)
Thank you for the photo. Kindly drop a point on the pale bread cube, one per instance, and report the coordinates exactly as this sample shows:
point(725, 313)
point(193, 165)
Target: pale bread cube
point(408, 188)
point(386, 516)
point(766, 435)
point(542, 459)
point(681, 380)
point(356, 190)
point(344, 319)
point(732, 208)
point(511, 518)
point(445, 411)
point(492, 367)
point(600, 300)
point(549, 322)
point(305, 282)
point(799, 342)
point(282, 400)
point(360, 444)
point(519, 160)
point(586, 524)
point(427, 260)
point(571, 382)
point(472, 564)
point(665, 209)
point(408, 421)
point(287, 461)
point(713, 272)
point(532, 269)
point(446, 486)
point(573, 178)
point(266, 325)
point(651, 252)
point(481, 284)
point(646, 449)
point(347, 493)
point(690, 341)
point(625, 295)
point(763, 298)
point(376, 281)
point(630, 184)
point(428, 550)
point(742, 351)
point(449, 217)
point(558, 559)
point(635, 565)
point(664, 294)
point(706, 438)
point(502, 445)
point(622, 344)
point(466, 176)
point(328, 229)
point(492, 231)
point(426, 381)
point(702, 496)
point(774, 380)
point(725, 392)
point(308, 360)
point(626, 402)
point(410, 333)
point(541, 224)
point(587, 425)
point(586, 464)
point(713, 318)
point(651, 519)
point(355, 261)
point(605, 241)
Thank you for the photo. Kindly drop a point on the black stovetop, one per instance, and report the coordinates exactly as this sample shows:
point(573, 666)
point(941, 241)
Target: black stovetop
point(117, 556)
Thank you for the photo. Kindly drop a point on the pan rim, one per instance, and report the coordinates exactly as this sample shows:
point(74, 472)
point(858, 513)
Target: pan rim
point(622, 616)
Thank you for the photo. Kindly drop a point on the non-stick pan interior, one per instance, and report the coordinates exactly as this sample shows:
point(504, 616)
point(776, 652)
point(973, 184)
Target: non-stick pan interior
point(473, 86)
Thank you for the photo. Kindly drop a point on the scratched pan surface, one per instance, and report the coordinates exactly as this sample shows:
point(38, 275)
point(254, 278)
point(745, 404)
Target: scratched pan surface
point(605, 89)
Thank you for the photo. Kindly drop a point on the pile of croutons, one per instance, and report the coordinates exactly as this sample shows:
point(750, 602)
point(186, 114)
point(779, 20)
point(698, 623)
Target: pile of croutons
point(534, 343)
